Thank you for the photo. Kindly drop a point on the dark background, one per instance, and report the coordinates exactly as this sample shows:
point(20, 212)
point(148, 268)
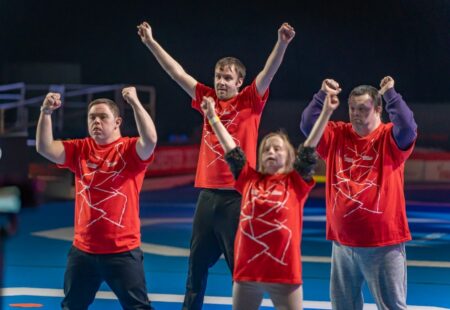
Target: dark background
point(354, 42)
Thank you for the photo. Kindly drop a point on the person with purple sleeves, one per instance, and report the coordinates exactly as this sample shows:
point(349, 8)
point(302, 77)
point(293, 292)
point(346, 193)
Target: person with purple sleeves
point(365, 203)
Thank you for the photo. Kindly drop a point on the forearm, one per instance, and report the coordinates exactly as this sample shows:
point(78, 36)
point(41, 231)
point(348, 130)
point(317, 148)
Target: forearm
point(145, 126)
point(405, 127)
point(44, 133)
point(311, 112)
point(45, 143)
point(224, 137)
point(172, 67)
point(318, 129)
point(271, 67)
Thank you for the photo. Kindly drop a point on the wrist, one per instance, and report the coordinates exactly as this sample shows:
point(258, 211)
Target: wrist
point(388, 93)
point(46, 110)
point(134, 104)
point(327, 112)
point(213, 119)
point(149, 43)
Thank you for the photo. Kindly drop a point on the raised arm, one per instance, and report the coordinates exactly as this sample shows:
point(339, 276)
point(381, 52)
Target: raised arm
point(224, 137)
point(170, 65)
point(331, 103)
point(233, 154)
point(45, 144)
point(314, 108)
point(144, 123)
point(306, 160)
point(405, 127)
point(285, 35)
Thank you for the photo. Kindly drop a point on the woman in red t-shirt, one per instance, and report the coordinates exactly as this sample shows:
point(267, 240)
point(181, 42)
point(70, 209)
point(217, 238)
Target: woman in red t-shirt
point(267, 247)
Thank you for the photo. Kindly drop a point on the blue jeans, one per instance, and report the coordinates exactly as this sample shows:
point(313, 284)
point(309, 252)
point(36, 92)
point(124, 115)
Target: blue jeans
point(214, 228)
point(123, 272)
point(383, 268)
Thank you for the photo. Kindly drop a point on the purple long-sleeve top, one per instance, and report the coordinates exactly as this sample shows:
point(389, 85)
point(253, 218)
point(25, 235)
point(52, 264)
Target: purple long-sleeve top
point(404, 129)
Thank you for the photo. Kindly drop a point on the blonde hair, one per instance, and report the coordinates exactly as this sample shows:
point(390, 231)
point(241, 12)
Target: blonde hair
point(290, 159)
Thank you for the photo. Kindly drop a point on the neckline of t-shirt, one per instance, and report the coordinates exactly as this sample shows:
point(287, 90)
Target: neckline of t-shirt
point(106, 145)
point(370, 135)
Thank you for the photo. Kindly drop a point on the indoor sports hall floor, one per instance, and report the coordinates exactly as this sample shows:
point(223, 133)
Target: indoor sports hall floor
point(34, 259)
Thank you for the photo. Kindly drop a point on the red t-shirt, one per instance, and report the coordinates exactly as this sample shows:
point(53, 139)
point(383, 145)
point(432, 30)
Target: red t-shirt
point(108, 179)
point(267, 246)
point(241, 116)
point(364, 186)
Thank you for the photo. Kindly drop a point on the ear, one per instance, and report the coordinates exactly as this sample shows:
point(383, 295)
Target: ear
point(239, 82)
point(118, 121)
point(379, 109)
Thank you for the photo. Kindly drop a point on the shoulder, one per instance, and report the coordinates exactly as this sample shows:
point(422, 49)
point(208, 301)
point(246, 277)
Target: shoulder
point(201, 88)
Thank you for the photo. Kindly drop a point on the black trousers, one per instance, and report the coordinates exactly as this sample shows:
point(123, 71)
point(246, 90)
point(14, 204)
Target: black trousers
point(215, 223)
point(123, 272)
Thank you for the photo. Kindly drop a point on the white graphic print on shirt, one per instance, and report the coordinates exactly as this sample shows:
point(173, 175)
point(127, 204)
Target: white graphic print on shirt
point(263, 221)
point(356, 178)
point(228, 117)
point(100, 181)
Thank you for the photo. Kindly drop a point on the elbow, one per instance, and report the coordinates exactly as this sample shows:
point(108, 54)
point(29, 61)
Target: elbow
point(405, 138)
point(39, 147)
point(153, 138)
point(305, 128)
point(177, 73)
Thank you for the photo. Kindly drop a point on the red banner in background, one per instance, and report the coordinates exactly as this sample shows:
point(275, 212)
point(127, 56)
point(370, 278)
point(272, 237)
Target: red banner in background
point(173, 160)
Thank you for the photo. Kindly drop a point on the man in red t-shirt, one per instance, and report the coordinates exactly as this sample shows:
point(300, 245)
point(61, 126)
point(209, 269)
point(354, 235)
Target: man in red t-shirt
point(109, 170)
point(218, 206)
point(366, 216)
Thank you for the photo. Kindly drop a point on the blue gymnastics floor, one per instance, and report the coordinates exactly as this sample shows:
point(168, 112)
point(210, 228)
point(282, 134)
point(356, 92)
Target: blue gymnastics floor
point(34, 259)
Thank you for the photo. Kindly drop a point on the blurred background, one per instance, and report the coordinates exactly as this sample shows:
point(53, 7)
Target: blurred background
point(354, 42)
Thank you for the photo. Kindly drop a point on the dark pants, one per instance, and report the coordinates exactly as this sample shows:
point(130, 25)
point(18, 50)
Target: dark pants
point(216, 220)
point(123, 272)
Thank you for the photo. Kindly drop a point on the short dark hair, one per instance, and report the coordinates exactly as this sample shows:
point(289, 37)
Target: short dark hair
point(370, 90)
point(111, 104)
point(232, 61)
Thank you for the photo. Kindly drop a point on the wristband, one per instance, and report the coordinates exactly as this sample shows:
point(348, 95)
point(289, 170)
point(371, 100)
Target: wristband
point(46, 110)
point(213, 120)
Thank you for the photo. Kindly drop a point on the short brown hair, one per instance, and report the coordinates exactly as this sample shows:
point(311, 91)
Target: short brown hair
point(290, 150)
point(371, 91)
point(230, 62)
point(111, 104)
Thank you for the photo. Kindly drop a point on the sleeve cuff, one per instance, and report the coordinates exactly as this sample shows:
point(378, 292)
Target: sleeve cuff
point(321, 95)
point(389, 94)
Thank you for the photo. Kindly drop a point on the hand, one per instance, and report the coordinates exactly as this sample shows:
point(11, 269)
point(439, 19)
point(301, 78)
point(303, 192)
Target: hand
point(130, 95)
point(208, 107)
point(331, 103)
point(145, 32)
point(51, 103)
point(286, 33)
point(331, 87)
point(386, 83)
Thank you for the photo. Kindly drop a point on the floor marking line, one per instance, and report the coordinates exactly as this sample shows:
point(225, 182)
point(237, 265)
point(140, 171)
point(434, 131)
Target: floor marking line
point(213, 300)
point(66, 233)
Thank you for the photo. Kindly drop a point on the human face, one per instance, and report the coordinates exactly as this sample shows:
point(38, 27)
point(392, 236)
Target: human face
point(226, 82)
point(103, 126)
point(274, 155)
point(364, 116)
